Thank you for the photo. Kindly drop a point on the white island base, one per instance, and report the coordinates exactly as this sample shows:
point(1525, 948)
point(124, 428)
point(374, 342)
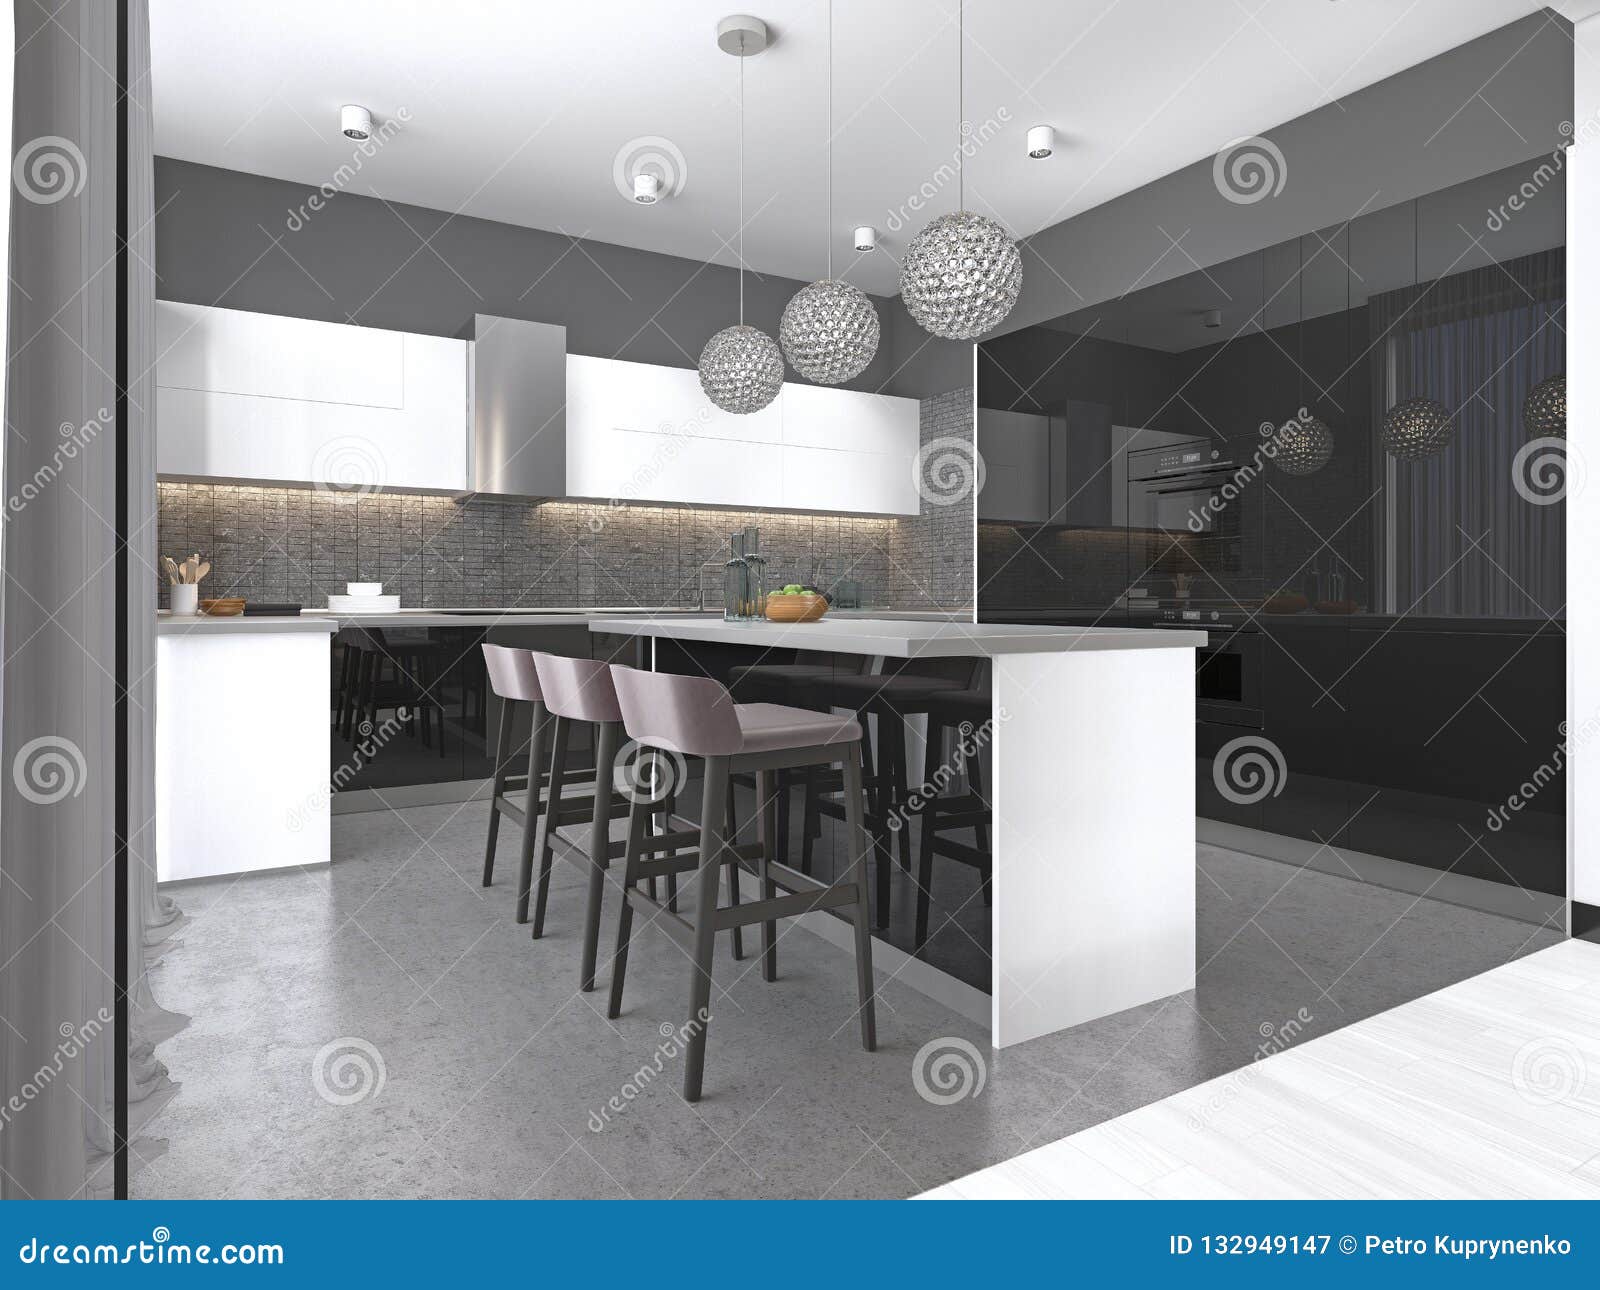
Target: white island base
point(1094, 836)
point(242, 745)
point(1093, 798)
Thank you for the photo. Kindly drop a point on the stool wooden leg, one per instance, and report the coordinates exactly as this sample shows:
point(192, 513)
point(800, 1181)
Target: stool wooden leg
point(858, 846)
point(605, 757)
point(638, 815)
point(733, 874)
point(705, 932)
point(502, 751)
point(897, 788)
point(765, 795)
point(547, 826)
point(811, 822)
point(530, 809)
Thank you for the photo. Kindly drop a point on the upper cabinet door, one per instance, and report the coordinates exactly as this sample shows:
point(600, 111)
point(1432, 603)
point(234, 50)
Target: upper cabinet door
point(230, 351)
point(849, 450)
point(1016, 452)
point(258, 397)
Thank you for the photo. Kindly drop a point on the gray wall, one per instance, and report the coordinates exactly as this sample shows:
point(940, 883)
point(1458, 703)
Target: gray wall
point(1491, 103)
point(244, 241)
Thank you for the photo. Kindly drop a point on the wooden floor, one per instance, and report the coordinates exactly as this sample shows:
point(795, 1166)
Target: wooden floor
point(1488, 1089)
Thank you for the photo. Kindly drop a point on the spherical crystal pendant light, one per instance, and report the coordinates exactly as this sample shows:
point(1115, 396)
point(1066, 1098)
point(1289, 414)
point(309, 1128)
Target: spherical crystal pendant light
point(829, 330)
point(1544, 411)
point(1417, 429)
point(741, 368)
point(961, 276)
point(963, 272)
point(1305, 446)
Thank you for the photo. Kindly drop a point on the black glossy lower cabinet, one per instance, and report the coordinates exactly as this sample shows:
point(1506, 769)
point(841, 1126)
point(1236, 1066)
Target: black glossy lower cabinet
point(1414, 741)
point(412, 705)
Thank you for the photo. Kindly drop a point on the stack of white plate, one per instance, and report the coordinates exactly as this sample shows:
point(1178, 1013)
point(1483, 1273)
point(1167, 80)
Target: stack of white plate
point(364, 598)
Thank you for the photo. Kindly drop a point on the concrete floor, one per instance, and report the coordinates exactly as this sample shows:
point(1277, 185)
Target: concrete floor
point(476, 1069)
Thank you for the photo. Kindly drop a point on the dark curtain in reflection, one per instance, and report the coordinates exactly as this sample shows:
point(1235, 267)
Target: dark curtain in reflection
point(1456, 536)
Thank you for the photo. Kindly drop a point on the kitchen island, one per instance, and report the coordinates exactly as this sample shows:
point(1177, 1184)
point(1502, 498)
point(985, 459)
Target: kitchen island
point(1091, 734)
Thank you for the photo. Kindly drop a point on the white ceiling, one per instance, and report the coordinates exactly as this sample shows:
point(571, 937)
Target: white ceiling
point(516, 110)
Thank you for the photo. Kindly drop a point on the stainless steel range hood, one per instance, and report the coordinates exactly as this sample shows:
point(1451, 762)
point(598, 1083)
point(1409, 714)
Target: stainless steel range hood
point(519, 400)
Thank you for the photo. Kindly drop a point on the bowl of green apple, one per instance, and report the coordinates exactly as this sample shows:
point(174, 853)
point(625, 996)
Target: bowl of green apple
point(795, 604)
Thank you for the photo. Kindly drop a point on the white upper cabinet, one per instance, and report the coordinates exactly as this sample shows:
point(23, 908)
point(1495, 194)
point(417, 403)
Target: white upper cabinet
point(643, 432)
point(260, 397)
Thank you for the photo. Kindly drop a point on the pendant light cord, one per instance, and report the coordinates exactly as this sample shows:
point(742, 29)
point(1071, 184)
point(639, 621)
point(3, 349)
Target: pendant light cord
point(961, 105)
point(830, 140)
point(741, 179)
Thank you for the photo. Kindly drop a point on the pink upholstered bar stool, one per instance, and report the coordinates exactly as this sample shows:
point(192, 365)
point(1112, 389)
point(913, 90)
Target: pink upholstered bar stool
point(579, 690)
point(513, 678)
point(692, 716)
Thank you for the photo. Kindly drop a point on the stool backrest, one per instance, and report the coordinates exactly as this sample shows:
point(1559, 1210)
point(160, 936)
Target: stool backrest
point(692, 715)
point(577, 688)
point(511, 673)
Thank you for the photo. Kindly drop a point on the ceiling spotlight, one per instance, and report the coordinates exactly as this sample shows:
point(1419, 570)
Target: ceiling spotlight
point(866, 238)
point(1041, 141)
point(646, 189)
point(1212, 318)
point(355, 122)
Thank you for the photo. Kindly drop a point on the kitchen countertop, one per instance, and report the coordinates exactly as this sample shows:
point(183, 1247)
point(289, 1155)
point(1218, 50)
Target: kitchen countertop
point(903, 638)
point(168, 624)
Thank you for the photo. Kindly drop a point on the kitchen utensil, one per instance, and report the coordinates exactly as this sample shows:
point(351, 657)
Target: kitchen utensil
point(170, 566)
point(205, 568)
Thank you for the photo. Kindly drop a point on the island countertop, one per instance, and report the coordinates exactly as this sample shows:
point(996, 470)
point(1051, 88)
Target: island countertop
point(903, 638)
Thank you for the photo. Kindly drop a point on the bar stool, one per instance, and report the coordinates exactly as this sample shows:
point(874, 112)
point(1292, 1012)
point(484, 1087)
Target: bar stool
point(694, 716)
point(580, 690)
point(788, 683)
point(891, 697)
point(966, 712)
point(513, 678)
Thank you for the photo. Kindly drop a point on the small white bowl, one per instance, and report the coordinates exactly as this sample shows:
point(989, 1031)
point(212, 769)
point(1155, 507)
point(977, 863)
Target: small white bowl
point(363, 588)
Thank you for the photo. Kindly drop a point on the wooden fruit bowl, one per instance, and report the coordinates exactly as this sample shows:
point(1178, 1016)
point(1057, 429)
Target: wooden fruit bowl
point(796, 609)
point(228, 607)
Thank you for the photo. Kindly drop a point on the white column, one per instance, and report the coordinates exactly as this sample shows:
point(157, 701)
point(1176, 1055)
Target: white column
point(1583, 501)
